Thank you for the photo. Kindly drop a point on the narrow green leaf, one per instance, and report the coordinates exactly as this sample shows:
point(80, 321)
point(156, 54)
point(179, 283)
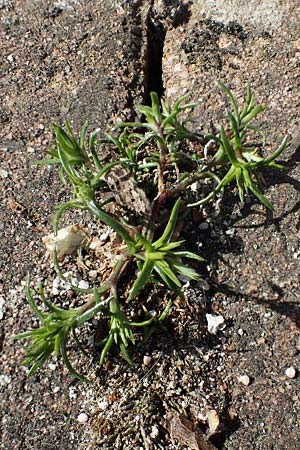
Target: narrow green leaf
point(141, 279)
point(108, 344)
point(235, 129)
point(110, 221)
point(171, 285)
point(125, 354)
point(233, 102)
point(190, 255)
point(99, 307)
point(261, 197)
point(156, 107)
point(169, 246)
point(83, 134)
point(277, 152)
point(228, 148)
point(155, 256)
point(165, 268)
point(31, 302)
point(186, 271)
point(168, 232)
point(67, 361)
point(38, 363)
point(253, 113)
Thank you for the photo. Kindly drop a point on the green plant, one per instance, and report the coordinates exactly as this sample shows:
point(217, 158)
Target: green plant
point(160, 158)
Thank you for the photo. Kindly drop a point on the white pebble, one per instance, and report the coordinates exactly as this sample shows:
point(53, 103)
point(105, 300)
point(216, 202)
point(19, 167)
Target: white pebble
point(55, 286)
point(93, 274)
point(52, 366)
point(147, 360)
point(244, 379)
point(3, 173)
point(83, 284)
point(290, 372)
point(4, 380)
point(214, 323)
point(103, 405)
point(82, 418)
point(72, 393)
point(154, 432)
point(2, 307)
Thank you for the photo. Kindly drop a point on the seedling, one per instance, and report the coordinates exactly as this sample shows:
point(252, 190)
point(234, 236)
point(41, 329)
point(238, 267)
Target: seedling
point(148, 181)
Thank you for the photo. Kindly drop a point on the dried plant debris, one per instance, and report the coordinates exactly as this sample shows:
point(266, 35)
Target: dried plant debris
point(184, 431)
point(125, 190)
point(67, 241)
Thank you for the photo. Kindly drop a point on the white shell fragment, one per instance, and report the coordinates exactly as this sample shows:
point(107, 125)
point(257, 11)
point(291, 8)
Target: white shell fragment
point(214, 323)
point(67, 241)
point(290, 372)
point(244, 379)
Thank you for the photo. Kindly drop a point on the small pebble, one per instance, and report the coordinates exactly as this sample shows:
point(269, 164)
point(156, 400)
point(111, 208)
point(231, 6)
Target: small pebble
point(4, 380)
point(290, 372)
point(82, 418)
point(154, 432)
point(83, 284)
point(214, 323)
point(103, 405)
point(93, 274)
point(204, 226)
point(3, 173)
point(244, 379)
point(2, 307)
point(147, 360)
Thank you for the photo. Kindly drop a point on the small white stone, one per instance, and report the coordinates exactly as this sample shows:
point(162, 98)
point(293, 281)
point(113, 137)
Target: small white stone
point(72, 393)
point(154, 432)
point(55, 286)
point(147, 360)
point(103, 405)
point(83, 284)
point(195, 186)
point(82, 418)
point(240, 331)
point(56, 389)
point(52, 366)
point(244, 379)
point(10, 59)
point(290, 372)
point(2, 307)
point(214, 323)
point(3, 173)
point(93, 274)
point(4, 380)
